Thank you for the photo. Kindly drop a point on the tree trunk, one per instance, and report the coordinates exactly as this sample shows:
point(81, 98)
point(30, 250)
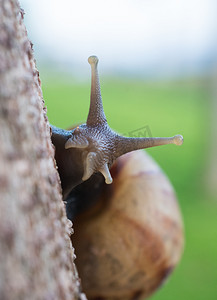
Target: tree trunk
point(36, 257)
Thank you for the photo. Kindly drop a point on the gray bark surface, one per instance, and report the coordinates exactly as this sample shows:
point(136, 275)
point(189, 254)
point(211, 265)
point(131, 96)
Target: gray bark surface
point(36, 256)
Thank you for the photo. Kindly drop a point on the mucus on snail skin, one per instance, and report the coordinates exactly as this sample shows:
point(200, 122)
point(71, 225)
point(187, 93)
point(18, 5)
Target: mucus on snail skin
point(93, 147)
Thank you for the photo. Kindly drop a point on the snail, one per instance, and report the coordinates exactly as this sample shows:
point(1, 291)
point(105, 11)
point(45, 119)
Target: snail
point(128, 231)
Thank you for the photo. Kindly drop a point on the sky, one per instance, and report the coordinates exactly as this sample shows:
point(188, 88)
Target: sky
point(137, 36)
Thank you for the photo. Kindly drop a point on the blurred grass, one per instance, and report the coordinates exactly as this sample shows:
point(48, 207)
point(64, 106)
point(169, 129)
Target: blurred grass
point(168, 109)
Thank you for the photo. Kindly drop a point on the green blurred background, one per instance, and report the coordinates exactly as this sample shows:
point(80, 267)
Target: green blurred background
point(158, 70)
point(168, 108)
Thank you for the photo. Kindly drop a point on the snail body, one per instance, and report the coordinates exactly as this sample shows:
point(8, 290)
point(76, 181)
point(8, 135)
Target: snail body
point(93, 147)
point(131, 234)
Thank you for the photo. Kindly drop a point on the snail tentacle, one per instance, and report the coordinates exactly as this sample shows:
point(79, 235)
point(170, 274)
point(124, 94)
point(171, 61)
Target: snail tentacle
point(90, 165)
point(76, 143)
point(105, 172)
point(96, 114)
point(125, 144)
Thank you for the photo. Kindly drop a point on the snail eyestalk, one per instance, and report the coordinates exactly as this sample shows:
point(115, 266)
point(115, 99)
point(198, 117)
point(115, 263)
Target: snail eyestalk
point(178, 139)
point(96, 114)
point(125, 145)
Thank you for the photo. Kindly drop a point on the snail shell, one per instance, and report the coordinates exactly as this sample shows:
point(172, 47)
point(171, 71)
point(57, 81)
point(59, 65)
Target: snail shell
point(128, 243)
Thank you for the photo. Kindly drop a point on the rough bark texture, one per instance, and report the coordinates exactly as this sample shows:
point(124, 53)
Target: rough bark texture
point(36, 257)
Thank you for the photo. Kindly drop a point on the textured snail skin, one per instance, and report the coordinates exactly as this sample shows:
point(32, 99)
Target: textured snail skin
point(130, 241)
point(92, 147)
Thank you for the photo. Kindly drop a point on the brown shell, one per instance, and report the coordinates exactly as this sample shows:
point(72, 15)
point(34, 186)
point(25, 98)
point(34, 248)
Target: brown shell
point(133, 238)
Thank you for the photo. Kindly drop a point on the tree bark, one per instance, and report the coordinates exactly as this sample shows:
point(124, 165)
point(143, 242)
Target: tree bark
point(36, 257)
